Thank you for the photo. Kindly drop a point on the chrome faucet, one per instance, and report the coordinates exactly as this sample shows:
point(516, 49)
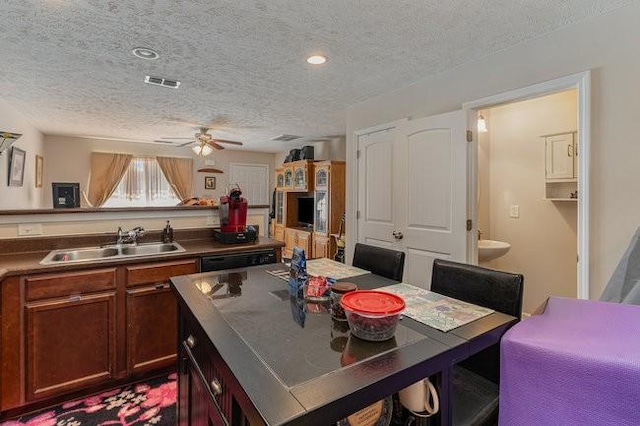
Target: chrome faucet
point(130, 237)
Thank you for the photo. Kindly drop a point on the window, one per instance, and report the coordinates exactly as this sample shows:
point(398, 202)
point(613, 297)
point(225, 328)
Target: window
point(143, 185)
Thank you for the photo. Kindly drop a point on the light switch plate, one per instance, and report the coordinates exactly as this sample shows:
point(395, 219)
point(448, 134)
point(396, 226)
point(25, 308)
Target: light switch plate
point(514, 211)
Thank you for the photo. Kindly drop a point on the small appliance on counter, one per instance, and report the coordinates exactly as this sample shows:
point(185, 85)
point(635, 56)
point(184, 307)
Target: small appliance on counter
point(233, 219)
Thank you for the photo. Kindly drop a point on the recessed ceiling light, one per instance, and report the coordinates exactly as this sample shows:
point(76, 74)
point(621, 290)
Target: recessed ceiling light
point(317, 59)
point(145, 53)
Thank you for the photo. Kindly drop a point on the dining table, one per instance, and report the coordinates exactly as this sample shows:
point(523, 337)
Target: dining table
point(285, 360)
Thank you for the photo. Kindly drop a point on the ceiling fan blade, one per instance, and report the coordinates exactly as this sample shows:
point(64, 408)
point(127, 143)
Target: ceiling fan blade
point(186, 144)
point(213, 144)
point(229, 142)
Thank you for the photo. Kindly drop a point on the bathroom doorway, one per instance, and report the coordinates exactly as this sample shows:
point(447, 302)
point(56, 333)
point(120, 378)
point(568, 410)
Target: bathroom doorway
point(581, 83)
point(523, 199)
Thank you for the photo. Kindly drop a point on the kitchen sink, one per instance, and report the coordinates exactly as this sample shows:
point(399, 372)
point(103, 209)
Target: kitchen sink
point(147, 249)
point(116, 251)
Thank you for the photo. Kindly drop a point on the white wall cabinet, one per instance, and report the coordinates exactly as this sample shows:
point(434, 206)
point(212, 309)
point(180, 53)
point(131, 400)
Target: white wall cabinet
point(561, 166)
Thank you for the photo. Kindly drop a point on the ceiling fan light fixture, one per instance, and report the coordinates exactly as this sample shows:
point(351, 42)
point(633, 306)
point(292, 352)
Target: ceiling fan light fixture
point(202, 150)
point(317, 59)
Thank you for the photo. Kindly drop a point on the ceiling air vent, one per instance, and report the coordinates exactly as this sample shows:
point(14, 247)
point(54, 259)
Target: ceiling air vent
point(285, 138)
point(164, 82)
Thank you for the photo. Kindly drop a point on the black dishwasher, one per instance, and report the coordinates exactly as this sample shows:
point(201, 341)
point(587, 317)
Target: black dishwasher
point(237, 260)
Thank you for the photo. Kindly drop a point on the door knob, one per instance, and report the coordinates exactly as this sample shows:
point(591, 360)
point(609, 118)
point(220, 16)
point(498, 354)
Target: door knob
point(397, 235)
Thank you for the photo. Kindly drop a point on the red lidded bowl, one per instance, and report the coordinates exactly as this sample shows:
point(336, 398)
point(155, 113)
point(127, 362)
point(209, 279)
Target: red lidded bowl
point(372, 314)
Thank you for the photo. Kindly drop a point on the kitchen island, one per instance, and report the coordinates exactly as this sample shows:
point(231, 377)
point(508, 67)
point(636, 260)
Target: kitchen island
point(250, 353)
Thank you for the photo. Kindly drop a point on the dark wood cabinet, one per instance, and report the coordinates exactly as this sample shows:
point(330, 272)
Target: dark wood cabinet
point(208, 393)
point(70, 332)
point(66, 332)
point(151, 314)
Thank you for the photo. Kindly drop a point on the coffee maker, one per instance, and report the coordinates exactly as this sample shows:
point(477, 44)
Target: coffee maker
point(233, 219)
point(233, 211)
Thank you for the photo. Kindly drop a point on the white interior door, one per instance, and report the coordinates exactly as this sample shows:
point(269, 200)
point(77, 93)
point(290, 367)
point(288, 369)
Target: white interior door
point(377, 188)
point(412, 191)
point(253, 180)
point(433, 218)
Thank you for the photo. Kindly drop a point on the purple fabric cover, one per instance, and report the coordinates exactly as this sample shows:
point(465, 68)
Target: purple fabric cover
point(576, 364)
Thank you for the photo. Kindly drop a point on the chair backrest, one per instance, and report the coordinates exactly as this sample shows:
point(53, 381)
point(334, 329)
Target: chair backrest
point(380, 261)
point(497, 290)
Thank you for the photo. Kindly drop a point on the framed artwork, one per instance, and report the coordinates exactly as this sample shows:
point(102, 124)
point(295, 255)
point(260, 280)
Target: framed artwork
point(16, 167)
point(209, 182)
point(39, 161)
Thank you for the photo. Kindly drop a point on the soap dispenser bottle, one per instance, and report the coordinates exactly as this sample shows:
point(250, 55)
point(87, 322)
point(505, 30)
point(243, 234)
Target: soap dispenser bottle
point(167, 233)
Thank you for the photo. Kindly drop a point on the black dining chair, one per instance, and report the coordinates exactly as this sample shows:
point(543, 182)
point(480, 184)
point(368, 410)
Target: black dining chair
point(476, 380)
point(380, 261)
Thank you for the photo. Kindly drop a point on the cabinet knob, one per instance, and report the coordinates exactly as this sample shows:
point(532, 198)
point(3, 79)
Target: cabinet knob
point(397, 235)
point(216, 387)
point(191, 341)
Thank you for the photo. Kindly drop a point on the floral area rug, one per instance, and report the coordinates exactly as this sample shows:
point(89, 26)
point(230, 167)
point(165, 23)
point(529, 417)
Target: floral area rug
point(149, 403)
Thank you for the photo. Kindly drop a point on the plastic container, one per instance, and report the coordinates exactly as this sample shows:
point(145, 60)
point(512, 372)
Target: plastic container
point(337, 291)
point(372, 314)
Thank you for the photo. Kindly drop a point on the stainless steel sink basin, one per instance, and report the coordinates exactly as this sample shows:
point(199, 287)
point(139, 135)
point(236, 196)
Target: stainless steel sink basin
point(148, 249)
point(122, 251)
point(83, 254)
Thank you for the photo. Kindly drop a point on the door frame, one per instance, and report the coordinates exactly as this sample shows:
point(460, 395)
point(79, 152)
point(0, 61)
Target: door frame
point(580, 82)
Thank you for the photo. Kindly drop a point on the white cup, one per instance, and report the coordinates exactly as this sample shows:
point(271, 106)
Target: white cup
point(420, 397)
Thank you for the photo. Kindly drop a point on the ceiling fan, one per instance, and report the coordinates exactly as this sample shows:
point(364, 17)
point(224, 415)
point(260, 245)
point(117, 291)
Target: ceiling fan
point(203, 143)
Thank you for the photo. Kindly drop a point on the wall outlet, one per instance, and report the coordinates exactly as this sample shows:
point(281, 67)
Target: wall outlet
point(514, 211)
point(29, 229)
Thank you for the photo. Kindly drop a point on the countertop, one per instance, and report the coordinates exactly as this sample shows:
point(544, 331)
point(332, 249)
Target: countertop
point(29, 262)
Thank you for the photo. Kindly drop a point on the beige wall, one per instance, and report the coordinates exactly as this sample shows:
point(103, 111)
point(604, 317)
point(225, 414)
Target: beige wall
point(606, 45)
point(544, 238)
point(27, 196)
point(67, 160)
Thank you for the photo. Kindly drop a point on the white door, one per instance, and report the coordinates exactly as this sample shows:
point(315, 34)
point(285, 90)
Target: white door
point(378, 190)
point(434, 216)
point(253, 180)
point(412, 191)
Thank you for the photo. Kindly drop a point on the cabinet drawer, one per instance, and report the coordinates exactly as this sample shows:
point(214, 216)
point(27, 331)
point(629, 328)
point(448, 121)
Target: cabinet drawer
point(64, 284)
point(159, 272)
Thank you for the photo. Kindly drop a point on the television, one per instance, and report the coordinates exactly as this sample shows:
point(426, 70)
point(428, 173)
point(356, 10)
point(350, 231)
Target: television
point(305, 211)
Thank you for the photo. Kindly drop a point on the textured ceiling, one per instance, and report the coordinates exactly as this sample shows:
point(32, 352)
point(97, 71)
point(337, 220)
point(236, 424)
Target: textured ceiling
point(67, 64)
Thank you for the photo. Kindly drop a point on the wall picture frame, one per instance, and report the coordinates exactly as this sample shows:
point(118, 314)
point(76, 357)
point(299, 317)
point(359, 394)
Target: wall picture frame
point(209, 182)
point(39, 168)
point(16, 166)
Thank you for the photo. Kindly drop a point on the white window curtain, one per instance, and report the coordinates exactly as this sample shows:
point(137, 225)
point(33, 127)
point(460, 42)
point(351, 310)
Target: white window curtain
point(143, 185)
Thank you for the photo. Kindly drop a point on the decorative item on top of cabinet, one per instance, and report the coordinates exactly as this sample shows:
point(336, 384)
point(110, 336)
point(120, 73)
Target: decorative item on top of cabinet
point(561, 166)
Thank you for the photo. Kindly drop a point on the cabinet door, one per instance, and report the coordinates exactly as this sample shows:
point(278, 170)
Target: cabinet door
point(290, 241)
point(322, 178)
point(300, 178)
point(151, 328)
point(70, 344)
point(288, 178)
point(280, 207)
point(559, 156)
point(321, 212)
point(304, 242)
point(278, 233)
point(279, 178)
point(321, 246)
